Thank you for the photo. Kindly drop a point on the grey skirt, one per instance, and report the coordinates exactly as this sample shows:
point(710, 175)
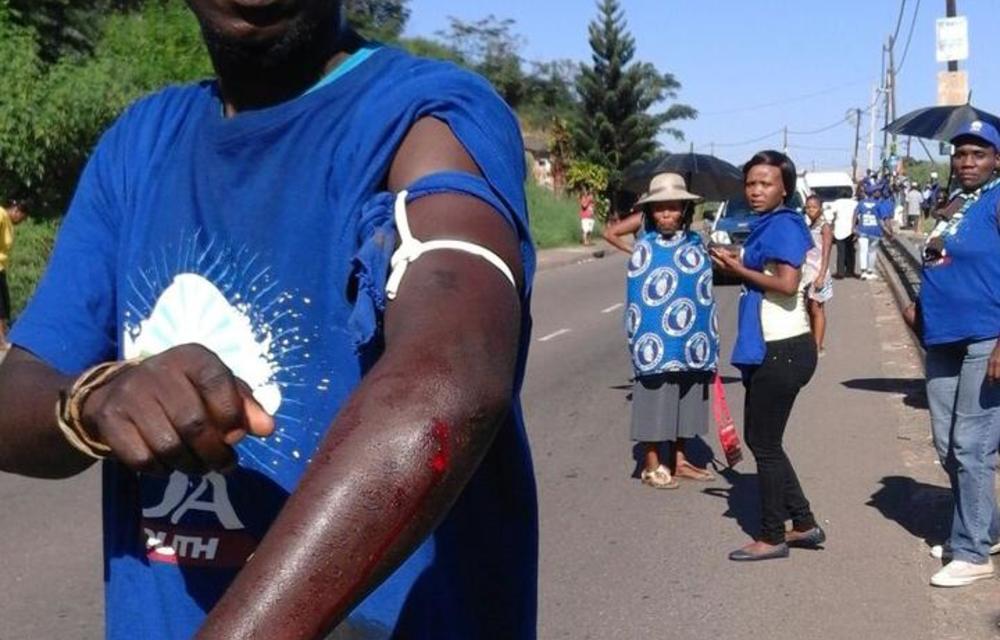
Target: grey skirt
point(669, 406)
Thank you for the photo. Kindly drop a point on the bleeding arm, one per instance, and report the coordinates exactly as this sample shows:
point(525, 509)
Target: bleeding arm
point(411, 435)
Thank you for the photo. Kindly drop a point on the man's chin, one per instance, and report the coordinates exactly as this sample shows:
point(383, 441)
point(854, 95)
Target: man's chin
point(253, 48)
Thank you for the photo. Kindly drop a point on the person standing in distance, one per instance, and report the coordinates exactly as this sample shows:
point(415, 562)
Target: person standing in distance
point(10, 217)
point(586, 217)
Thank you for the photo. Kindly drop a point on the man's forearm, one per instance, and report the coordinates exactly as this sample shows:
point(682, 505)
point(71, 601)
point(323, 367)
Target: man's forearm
point(395, 460)
point(30, 442)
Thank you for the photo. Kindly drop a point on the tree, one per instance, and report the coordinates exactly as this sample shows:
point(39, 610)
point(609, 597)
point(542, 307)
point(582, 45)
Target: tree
point(616, 128)
point(382, 20)
point(549, 93)
point(65, 27)
point(492, 49)
point(43, 143)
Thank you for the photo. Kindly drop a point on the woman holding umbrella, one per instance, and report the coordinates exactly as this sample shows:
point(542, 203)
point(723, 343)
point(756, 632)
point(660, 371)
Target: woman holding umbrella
point(774, 349)
point(672, 328)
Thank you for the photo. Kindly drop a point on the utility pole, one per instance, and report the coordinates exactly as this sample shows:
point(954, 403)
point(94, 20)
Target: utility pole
point(951, 11)
point(891, 101)
point(885, 87)
point(857, 143)
point(785, 143)
point(871, 132)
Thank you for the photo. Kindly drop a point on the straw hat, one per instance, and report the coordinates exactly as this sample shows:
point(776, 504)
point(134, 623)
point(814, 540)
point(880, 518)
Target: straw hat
point(666, 187)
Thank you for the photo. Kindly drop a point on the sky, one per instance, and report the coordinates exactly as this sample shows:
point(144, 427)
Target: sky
point(752, 68)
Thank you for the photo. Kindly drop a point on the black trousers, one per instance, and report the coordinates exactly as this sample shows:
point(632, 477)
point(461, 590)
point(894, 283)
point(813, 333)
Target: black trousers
point(5, 310)
point(771, 390)
point(845, 257)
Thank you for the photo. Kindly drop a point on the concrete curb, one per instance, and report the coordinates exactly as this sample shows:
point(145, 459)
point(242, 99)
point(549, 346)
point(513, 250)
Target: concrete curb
point(902, 299)
point(566, 256)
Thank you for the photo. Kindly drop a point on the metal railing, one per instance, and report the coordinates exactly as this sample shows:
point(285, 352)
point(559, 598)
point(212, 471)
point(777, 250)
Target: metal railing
point(904, 257)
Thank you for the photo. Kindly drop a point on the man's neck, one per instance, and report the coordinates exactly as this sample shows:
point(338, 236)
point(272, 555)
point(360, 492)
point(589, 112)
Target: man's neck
point(247, 87)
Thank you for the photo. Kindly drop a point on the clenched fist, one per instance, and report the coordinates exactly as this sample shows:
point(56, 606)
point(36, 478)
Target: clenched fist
point(180, 410)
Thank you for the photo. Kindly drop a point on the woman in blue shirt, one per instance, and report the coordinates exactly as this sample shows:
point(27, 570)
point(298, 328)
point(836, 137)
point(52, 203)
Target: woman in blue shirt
point(959, 319)
point(672, 328)
point(774, 349)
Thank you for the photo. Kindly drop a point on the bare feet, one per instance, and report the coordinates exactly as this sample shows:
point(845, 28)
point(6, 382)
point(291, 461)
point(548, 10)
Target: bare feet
point(691, 472)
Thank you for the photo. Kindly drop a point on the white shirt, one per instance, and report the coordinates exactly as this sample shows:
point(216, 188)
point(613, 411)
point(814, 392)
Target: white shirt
point(843, 218)
point(782, 316)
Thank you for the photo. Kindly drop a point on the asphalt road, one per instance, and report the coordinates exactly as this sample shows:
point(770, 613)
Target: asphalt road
point(618, 560)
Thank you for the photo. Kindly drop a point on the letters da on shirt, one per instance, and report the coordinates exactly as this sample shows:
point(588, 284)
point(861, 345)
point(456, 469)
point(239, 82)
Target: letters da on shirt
point(219, 539)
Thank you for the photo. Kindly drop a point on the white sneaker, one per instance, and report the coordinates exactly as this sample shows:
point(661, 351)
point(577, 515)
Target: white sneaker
point(943, 551)
point(959, 573)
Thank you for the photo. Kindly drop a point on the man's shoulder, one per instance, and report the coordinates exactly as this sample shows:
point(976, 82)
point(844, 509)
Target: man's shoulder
point(414, 78)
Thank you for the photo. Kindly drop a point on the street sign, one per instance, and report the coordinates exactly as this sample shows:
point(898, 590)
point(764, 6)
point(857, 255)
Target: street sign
point(953, 88)
point(952, 39)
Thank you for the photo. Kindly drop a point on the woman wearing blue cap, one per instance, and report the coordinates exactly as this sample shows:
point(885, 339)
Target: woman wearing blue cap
point(774, 349)
point(958, 318)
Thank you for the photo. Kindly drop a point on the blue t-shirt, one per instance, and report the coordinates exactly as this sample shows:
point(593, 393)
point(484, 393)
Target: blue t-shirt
point(870, 213)
point(960, 293)
point(670, 320)
point(778, 236)
point(247, 235)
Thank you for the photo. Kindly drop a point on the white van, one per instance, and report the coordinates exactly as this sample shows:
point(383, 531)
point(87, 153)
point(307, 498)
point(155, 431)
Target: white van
point(836, 190)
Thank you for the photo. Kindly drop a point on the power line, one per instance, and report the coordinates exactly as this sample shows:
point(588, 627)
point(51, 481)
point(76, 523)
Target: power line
point(746, 142)
point(821, 129)
point(909, 37)
point(899, 20)
point(798, 98)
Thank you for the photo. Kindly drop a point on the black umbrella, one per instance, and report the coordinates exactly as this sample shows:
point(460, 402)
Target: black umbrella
point(710, 177)
point(939, 123)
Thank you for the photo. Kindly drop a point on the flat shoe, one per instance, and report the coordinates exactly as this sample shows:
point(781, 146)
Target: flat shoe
point(806, 539)
point(659, 478)
point(742, 555)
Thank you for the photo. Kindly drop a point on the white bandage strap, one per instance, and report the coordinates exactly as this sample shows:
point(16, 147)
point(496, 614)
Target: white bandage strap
point(410, 249)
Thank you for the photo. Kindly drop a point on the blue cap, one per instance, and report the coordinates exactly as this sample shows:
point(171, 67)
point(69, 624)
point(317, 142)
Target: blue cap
point(981, 130)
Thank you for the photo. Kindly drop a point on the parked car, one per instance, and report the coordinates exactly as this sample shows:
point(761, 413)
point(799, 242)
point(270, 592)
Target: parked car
point(734, 220)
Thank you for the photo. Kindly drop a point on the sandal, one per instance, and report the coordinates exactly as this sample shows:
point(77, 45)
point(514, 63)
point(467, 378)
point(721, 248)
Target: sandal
point(659, 478)
point(691, 472)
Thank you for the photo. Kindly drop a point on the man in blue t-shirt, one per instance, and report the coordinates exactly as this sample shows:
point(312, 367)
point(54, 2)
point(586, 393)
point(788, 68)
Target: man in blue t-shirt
point(298, 434)
point(872, 220)
point(958, 318)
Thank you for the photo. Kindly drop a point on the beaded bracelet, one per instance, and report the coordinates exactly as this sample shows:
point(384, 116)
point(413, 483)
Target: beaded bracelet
point(70, 405)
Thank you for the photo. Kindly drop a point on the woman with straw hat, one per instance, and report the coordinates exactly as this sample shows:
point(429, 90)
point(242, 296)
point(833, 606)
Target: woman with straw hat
point(671, 326)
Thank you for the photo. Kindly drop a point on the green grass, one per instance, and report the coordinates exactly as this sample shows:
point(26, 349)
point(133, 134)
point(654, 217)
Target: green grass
point(555, 220)
point(33, 241)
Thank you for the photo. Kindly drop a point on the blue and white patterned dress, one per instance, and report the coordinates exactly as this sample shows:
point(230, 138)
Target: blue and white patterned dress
point(671, 320)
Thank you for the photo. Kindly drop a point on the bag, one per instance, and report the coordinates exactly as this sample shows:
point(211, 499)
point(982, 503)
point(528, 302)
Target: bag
point(728, 438)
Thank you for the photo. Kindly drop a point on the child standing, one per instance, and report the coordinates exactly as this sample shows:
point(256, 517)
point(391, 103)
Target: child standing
point(817, 270)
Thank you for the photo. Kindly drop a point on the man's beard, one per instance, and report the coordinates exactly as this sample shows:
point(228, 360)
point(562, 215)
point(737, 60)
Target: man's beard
point(305, 45)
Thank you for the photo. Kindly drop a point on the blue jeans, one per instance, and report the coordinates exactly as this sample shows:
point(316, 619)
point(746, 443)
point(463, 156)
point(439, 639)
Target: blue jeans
point(965, 419)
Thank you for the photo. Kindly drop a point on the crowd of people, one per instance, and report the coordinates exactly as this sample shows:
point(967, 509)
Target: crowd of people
point(672, 329)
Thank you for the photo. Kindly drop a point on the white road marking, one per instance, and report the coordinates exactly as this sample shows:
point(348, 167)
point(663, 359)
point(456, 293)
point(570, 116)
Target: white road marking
point(613, 307)
point(555, 334)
